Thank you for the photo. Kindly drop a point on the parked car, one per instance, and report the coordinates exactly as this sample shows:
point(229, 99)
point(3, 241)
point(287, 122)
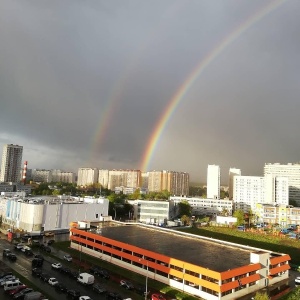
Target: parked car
point(22, 293)
point(39, 256)
point(45, 248)
point(17, 290)
point(45, 276)
point(56, 266)
point(114, 296)
point(297, 280)
point(37, 262)
point(19, 246)
point(73, 294)
point(50, 242)
point(85, 298)
point(99, 288)
point(12, 257)
point(6, 252)
point(7, 278)
point(61, 288)
point(36, 272)
point(141, 290)
point(126, 284)
point(68, 257)
point(52, 281)
point(104, 273)
point(5, 273)
point(65, 270)
point(157, 297)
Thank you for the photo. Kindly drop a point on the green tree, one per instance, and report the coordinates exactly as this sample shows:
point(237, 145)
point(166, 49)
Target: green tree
point(185, 220)
point(184, 208)
point(239, 214)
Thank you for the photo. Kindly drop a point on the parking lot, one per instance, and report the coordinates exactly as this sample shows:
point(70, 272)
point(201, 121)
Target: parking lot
point(23, 265)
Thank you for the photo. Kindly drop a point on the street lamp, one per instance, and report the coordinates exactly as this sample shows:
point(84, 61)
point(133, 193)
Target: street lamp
point(146, 291)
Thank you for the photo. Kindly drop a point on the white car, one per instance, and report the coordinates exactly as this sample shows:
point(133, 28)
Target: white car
point(85, 298)
point(68, 257)
point(56, 265)
point(25, 248)
point(297, 280)
point(52, 281)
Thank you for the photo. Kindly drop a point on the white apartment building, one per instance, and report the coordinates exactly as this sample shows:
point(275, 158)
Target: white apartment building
point(125, 178)
point(232, 172)
point(62, 176)
point(11, 163)
point(103, 178)
point(87, 176)
point(292, 172)
point(202, 206)
point(248, 191)
point(213, 182)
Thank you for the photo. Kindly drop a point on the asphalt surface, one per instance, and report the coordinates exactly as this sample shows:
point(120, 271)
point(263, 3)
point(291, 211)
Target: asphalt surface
point(24, 268)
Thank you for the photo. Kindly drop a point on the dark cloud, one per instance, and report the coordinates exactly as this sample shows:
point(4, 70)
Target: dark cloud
point(84, 83)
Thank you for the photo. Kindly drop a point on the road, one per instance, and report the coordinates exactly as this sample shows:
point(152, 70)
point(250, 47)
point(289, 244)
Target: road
point(23, 267)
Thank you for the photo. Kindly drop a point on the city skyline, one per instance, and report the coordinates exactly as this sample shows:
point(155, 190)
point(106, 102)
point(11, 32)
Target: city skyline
point(151, 85)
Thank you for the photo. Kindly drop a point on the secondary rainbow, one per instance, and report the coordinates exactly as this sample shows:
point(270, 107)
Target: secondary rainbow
point(191, 79)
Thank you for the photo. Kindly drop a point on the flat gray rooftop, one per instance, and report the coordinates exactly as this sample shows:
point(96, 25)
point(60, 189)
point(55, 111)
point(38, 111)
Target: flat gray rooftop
point(197, 251)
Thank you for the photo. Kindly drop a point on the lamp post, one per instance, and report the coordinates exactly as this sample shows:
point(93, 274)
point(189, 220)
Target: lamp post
point(146, 287)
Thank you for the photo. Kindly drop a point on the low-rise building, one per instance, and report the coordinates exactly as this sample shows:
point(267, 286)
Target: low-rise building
point(189, 263)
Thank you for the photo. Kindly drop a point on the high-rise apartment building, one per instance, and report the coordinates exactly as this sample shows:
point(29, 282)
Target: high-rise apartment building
point(292, 172)
point(103, 178)
point(124, 178)
point(11, 163)
point(177, 183)
point(87, 176)
point(213, 182)
point(232, 172)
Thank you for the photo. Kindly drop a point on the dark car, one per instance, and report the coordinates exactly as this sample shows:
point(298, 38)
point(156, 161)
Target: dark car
point(50, 242)
point(39, 256)
point(12, 257)
point(16, 290)
point(45, 248)
point(65, 270)
point(104, 273)
point(28, 252)
point(45, 276)
point(141, 290)
point(6, 252)
point(126, 284)
point(99, 288)
point(37, 262)
point(36, 272)
point(114, 296)
point(61, 288)
point(5, 273)
point(94, 270)
point(22, 293)
point(73, 274)
point(73, 294)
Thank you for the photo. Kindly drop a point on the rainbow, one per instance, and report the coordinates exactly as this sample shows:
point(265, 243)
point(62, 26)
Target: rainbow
point(191, 79)
point(117, 93)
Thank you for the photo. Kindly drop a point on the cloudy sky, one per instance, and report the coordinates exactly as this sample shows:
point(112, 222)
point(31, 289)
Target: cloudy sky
point(89, 83)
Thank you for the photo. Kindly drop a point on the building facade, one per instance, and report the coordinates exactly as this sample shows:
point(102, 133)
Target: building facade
point(202, 206)
point(213, 182)
point(290, 171)
point(177, 183)
point(50, 215)
point(11, 163)
point(87, 176)
point(232, 172)
point(284, 215)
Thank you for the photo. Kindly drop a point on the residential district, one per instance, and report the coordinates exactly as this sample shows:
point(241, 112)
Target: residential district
point(272, 199)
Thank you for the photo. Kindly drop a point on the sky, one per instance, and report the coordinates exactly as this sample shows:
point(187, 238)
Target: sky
point(89, 84)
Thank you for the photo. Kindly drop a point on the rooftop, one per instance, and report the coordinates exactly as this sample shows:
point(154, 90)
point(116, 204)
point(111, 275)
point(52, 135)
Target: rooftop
point(209, 254)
